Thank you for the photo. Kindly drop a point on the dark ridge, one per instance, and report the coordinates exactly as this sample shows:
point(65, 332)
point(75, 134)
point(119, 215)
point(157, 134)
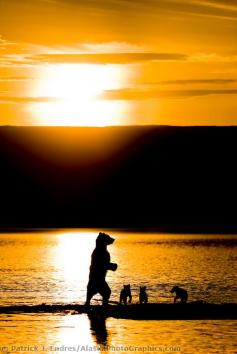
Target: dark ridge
point(174, 179)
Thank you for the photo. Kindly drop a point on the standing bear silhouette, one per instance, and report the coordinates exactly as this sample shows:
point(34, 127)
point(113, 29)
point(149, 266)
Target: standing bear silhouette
point(100, 264)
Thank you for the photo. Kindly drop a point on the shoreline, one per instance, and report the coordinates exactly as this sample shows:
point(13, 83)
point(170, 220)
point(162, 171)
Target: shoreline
point(152, 311)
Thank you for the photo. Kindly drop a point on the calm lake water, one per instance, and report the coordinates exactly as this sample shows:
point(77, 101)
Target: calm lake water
point(52, 267)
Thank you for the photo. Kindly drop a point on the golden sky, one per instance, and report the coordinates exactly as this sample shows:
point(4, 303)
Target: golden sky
point(109, 62)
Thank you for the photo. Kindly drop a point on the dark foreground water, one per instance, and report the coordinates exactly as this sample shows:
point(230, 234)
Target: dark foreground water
point(52, 267)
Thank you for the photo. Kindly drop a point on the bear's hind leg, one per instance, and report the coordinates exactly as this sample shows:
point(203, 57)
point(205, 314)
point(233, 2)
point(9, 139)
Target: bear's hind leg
point(91, 291)
point(105, 292)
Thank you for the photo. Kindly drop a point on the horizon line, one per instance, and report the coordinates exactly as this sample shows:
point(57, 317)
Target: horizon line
point(121, 126)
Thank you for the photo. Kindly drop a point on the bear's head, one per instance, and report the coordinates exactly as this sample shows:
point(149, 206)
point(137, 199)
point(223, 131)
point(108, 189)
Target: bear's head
point(174, 289)
point(127, 287)
point(104, 240)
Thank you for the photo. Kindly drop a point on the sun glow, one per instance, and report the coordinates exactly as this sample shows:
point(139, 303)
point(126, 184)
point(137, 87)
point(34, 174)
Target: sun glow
point(73, 91)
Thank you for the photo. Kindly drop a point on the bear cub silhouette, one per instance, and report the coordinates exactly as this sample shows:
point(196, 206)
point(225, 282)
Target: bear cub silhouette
point(180, 293)
point(124, 294)
point(143, 297)
point(100, 264)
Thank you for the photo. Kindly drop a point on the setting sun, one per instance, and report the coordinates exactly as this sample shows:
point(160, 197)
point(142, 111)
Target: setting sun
point(73, 92)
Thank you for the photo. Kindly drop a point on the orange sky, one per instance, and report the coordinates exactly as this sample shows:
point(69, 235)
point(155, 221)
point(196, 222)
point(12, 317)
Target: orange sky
point(103, 62)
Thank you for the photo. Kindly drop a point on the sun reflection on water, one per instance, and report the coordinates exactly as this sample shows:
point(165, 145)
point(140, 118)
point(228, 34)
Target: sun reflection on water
point(72, 259)
point(74, 330)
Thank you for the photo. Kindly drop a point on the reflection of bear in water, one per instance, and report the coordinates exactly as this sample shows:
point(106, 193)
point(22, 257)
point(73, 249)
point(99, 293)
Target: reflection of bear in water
point(100, 264)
